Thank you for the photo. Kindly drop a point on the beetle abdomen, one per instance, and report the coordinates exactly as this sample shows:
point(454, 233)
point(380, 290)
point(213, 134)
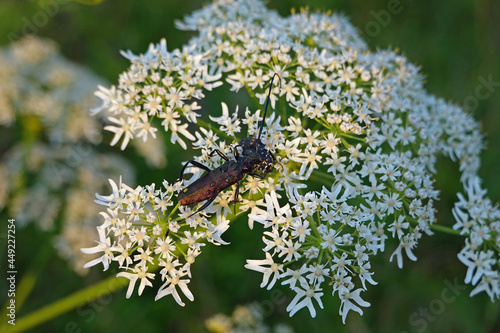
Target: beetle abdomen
point(211, 184)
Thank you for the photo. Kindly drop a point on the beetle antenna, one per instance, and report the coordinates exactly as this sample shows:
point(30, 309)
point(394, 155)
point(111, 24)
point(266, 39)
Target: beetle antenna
point(267, 104)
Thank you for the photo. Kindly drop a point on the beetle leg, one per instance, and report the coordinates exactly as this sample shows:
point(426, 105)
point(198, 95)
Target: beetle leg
point(255, 174)
point(236, 197)
point(196, 164)
point(205, 205)
point(275, 160)
point(221, 154)
point(235, 152)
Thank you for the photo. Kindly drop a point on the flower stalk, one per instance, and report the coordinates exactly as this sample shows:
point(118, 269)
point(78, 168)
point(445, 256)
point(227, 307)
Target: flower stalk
point(70, 302)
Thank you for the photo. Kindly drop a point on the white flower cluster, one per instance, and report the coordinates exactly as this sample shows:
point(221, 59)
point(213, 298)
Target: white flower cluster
point(356, 148)
point(42, 91)
point(479, 220)
point(139, 233)
point(49, 169)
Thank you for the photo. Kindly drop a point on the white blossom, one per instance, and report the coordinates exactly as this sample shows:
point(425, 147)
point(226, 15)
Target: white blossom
point(354, 137)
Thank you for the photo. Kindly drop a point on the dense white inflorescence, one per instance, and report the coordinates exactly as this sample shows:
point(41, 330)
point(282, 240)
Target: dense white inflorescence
point(355, 135)
point(50, 167)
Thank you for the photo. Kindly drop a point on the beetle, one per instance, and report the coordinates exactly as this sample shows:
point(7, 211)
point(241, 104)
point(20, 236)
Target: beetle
point(255, 160)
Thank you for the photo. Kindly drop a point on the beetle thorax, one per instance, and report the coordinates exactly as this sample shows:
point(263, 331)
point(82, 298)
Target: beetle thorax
point(255, 158)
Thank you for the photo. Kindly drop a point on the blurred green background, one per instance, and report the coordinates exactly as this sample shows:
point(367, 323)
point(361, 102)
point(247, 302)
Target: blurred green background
point(456, 43)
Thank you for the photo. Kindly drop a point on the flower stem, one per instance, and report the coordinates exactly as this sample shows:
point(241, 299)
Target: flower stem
point(24, 288)
point(447, 230)
point(322, 177)
point(66, 304)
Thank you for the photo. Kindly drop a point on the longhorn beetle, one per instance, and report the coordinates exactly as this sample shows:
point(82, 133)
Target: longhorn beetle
point(254, 160)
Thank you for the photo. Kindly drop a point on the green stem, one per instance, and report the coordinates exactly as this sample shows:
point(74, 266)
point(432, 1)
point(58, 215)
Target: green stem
point(66, 304)
point(351, 136)
point(23, 290)
point(444, 229)
point(322, 177)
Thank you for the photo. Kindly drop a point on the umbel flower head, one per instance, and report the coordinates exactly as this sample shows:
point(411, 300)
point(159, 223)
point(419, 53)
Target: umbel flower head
point(354, 133)
point(50, 175)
